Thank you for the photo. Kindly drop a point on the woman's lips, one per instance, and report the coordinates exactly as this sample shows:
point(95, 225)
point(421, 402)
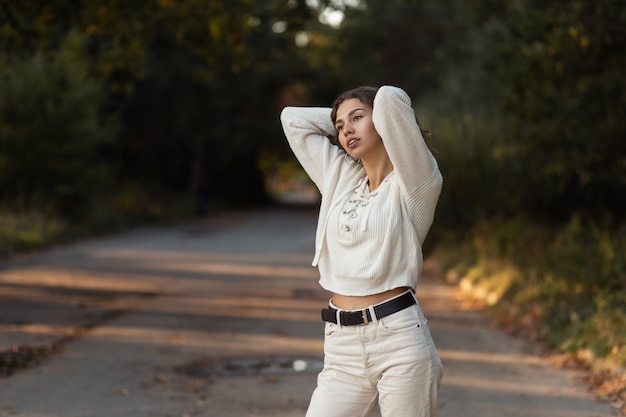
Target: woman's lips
point(352, 142)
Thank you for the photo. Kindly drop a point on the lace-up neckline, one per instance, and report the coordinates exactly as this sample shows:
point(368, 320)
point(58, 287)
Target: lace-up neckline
point(358, 206)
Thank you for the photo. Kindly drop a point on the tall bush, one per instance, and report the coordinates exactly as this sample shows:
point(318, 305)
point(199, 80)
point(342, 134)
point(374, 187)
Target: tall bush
point(565, 285)
point(53, 138)
point(560, 76)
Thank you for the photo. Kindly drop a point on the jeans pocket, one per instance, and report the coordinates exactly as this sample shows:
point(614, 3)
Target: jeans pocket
point(330, 329)
point(406, 319)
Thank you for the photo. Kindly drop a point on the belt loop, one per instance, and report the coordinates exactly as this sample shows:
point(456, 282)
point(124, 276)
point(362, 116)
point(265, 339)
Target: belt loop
point(338, 313)
point(373, 314)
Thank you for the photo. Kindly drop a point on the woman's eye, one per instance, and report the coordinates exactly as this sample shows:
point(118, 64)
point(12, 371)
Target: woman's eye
point(358, 117)
point(339, 128)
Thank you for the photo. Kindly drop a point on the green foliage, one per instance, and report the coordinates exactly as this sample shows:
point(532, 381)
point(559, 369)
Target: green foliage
point(28, 231)
point(529, 134)
point(395, 42)
point(561, 72)
point(201, 108)
point(194, 85)
point(526, 98)
point(52, 133)
point(480, 165)
point(571, 279)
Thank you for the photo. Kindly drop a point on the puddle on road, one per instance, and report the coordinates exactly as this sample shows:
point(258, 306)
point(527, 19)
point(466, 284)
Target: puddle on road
point(205, 368)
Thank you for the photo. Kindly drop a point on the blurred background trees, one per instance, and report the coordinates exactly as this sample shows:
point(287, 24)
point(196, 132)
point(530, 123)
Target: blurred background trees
point(158, 99)
point(161, 98)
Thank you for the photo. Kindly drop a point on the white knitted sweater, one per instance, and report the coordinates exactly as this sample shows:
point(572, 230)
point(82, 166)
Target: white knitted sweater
point(367, 243)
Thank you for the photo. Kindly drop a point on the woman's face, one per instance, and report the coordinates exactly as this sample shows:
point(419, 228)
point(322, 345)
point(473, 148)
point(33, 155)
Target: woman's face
point(355, 129)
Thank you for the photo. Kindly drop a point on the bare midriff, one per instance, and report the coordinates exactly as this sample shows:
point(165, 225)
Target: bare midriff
point(349, 302)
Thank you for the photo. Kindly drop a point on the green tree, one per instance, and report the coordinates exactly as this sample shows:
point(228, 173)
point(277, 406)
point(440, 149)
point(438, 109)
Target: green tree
point(561, 69)
point(398, 42)
point(52, 133)
point(195, 83)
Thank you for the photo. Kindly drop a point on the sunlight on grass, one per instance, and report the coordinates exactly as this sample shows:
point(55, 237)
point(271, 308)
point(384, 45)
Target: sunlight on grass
point(566, 283)
point(25, 231)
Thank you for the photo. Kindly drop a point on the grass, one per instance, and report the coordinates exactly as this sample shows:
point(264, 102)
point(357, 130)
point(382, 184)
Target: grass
point(31, 230)
point(567, 285)
point(23, 231)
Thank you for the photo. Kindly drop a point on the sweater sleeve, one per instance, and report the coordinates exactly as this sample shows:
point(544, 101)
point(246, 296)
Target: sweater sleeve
point(307, 130)
point(414, 165)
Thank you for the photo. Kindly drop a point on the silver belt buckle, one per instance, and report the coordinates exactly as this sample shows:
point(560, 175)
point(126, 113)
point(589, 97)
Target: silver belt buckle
point(364, 315)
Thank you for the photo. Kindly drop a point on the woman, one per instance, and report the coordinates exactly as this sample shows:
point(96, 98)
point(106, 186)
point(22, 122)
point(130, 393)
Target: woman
point(379, 189)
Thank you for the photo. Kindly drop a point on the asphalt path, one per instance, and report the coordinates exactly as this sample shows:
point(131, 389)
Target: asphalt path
point(220, 317)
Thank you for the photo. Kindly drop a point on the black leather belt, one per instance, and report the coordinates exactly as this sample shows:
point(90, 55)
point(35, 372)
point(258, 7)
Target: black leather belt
point(354, 318)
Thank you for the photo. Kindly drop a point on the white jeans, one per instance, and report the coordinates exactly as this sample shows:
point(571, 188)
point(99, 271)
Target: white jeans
point(392, 359)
